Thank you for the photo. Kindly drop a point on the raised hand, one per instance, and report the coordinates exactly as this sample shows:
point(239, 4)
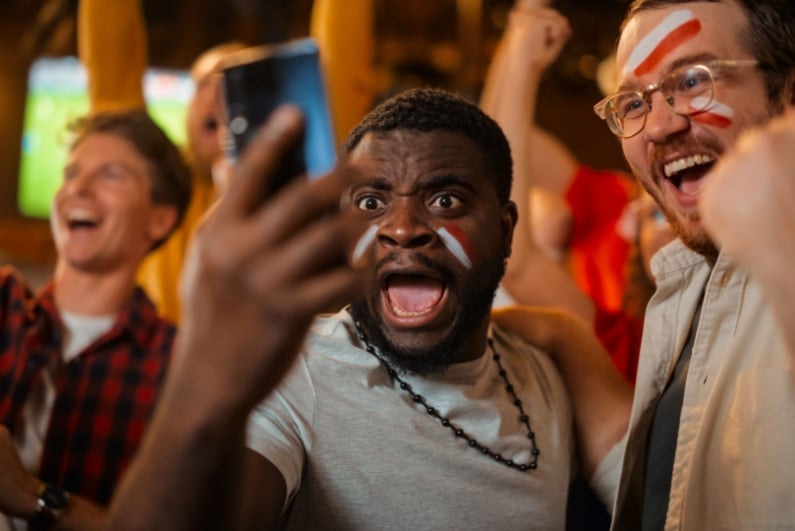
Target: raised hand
point(748, 204)
point(536, 33)
point(748, 207)
point(259, 270)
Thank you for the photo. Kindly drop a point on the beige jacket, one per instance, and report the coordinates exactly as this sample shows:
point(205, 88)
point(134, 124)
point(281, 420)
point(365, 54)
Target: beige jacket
point(735, 454)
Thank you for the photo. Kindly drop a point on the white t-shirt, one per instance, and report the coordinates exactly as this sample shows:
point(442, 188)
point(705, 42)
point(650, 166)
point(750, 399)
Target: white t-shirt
point(357, 453)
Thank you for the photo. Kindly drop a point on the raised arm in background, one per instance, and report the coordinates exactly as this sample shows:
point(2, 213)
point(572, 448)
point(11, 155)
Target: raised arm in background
point(601, 397)
point(112, 45)
point(532, 41)
point(344, 31)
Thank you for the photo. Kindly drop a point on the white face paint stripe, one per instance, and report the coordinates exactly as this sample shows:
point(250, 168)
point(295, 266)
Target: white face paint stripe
point(363, 244)
point(649, 43)
point(455, 247)
point(715, 107)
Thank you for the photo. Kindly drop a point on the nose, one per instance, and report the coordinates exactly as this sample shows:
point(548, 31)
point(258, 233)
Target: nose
point(78, 184)
point(662, 122)
point(405, 227)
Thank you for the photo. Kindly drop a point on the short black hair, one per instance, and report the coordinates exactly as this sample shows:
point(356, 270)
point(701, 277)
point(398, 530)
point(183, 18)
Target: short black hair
point(431, 109)
point(770, 37)
point(168, 172)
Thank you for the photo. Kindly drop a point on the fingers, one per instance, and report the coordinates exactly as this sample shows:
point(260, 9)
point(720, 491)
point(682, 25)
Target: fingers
point(541, 33)
point(300, 202)
point(316, 251)
point(260, 161)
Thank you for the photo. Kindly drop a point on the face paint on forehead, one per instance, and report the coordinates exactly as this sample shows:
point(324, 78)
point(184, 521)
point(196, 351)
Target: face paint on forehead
point(458, 244)
point(672, 32)
point(717, 113)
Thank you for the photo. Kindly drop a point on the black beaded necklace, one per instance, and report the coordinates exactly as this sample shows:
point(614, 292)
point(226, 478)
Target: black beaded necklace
point(461, 434)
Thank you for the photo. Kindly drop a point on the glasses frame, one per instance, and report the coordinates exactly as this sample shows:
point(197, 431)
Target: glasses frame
point(645, 94)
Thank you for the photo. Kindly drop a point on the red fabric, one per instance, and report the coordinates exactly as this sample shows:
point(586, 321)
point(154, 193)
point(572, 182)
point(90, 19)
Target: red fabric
point(621, 335)
point(598, 253)
point(104, 397)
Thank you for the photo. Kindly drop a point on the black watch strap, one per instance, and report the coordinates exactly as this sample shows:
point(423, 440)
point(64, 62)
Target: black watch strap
point(52, 502)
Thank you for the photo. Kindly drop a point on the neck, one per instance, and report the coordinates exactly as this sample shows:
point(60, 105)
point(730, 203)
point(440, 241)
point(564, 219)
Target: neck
point(465, 342)
point(474, 345)
point(90, 293)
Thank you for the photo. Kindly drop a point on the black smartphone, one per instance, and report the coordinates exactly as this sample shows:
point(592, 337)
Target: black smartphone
point(257, 80)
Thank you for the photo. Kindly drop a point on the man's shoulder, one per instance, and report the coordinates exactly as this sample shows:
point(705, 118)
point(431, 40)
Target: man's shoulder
point(10, 276)
point(515, 346)
point(13, 285)
point(331, 334)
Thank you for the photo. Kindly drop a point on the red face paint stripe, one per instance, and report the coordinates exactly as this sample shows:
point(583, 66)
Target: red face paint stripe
point(459, 235)
point(686, 31)
point(709, 118)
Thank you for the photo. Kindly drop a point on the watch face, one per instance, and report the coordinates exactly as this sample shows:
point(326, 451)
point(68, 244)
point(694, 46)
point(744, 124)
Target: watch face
point(54, 498)
point(53, 501)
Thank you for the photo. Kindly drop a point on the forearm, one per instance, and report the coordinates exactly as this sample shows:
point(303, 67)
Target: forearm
point(112, 45)
point(601, 398)
point(81, 515)
point(189, 472)
point(533, 279)
point(20, 489)
point(509, 97)
point(344, 31)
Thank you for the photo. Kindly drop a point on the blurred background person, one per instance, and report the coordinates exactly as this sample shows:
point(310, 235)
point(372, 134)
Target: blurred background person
point(82, 360)
point(578, 237)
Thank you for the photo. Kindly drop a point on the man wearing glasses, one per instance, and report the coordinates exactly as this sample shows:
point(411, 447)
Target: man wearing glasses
point(713, 420)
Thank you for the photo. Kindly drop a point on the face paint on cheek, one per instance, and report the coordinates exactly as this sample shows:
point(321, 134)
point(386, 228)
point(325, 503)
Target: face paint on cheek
point(363, 245)
point(717, 113)
point(456, 241)
point(672, 32)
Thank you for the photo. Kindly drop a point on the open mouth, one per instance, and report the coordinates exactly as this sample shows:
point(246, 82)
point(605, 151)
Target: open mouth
point(81, 220)
point(414, 298)
point(687, 173)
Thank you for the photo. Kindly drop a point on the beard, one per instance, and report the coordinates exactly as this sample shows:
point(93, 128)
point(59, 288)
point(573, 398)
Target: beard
point(476, 297)
point(692, 234)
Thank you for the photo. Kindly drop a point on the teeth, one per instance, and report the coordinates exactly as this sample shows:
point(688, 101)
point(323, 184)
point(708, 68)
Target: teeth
point(675, 166)
point(404, 313)
point(79, 215)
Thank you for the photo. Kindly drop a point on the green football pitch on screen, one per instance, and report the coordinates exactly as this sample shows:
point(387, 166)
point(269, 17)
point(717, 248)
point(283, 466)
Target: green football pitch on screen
point(57, 96)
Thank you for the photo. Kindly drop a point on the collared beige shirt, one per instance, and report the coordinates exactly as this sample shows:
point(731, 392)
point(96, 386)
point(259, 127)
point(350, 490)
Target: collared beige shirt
point(735, 453)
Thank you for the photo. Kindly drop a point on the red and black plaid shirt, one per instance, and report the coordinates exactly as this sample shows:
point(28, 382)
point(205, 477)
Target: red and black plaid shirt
point(104, 397)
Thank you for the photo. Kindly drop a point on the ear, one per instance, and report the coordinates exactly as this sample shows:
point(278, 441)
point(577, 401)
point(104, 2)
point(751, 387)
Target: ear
point(509, 217)
point(162, 221)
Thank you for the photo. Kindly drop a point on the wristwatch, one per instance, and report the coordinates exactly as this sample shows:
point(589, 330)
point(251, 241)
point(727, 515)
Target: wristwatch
point(52, 502)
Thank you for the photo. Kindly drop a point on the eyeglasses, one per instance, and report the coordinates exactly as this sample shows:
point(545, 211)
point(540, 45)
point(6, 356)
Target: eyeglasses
point(685, 90)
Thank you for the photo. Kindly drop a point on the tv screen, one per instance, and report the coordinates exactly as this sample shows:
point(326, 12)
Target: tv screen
point(57, 96)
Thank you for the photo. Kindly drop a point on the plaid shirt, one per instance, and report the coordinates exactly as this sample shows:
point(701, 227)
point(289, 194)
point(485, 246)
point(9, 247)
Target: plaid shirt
point(104, 397)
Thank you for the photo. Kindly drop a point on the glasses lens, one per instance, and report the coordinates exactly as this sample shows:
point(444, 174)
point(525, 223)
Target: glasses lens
point(628, 111)
point(688, 90)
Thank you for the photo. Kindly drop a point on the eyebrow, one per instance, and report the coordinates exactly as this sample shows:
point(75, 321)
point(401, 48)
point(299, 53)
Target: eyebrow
point(682, 61)
point(447, 180)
